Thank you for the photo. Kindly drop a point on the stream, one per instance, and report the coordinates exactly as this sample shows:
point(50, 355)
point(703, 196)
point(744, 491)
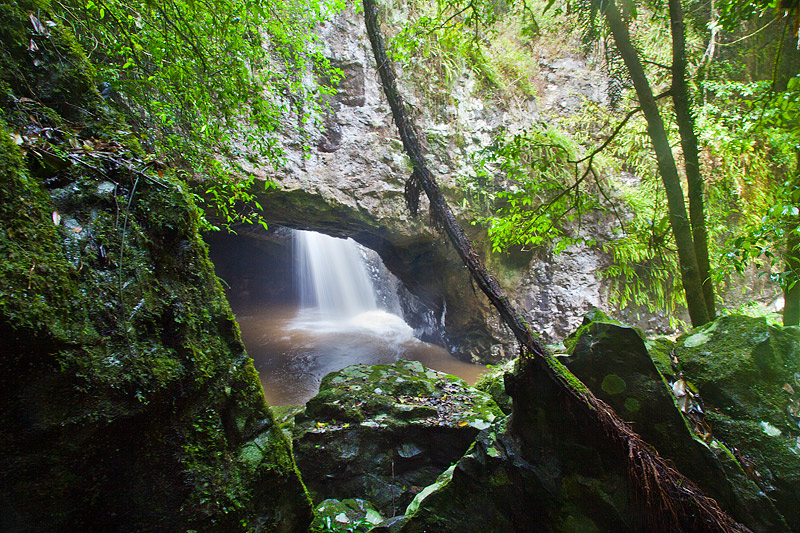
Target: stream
point(294, 349)
point(338, 320)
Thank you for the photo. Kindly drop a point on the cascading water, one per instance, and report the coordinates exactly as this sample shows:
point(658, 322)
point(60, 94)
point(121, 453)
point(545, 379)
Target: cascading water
point(332, 276)
point(337, 294)
point(340, 322)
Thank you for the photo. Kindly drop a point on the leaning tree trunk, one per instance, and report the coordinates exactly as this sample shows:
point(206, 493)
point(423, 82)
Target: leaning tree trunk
point(691, 160)
point(675, 502)
point(690, 273)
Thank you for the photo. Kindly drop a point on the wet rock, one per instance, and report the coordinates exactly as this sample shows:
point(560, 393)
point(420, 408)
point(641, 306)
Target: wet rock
point(345, 515)
point(383, 433)
point(541, 464)
point(492, 383)
point(748, 374)
point(539, 468)
point(127, 399)
point(614, 362)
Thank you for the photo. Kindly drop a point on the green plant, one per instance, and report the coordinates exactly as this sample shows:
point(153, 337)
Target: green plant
point(206, 83)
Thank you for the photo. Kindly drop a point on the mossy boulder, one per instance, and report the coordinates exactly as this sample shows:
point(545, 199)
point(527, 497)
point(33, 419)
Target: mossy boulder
point(492, 382)
point(614, 362)
point(748, 374)
point(538, 469)
point(128, 401)
point(382, 433)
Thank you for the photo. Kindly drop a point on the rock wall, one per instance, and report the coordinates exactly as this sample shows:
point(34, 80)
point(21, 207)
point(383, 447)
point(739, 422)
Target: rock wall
point(351, 180)
point(128, 402)
point(351, 183)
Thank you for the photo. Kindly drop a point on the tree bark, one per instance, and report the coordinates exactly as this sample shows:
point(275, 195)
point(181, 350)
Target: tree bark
point(691, 159)
point(786, 68)
point(791, 295)
point(679, 221)
point(675, 503)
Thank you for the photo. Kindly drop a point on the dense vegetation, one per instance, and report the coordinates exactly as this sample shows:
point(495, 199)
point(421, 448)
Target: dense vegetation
point(704, 112)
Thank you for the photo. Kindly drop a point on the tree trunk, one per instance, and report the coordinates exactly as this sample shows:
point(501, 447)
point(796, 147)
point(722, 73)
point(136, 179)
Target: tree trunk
point(691, 160)
point(791, 295)
point(675, 503)
point(785, 69)
point(679, 221)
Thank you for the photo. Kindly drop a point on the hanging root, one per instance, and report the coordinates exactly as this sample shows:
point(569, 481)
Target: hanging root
point(412, 192)
point(673, 502)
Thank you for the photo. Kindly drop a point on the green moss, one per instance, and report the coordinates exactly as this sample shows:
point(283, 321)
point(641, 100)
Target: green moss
point(493, 382)
point(613, 384)
point(632, 405)
point(566, 375)
point(116, 335)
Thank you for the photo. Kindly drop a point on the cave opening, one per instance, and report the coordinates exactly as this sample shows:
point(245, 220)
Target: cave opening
point(309, 304)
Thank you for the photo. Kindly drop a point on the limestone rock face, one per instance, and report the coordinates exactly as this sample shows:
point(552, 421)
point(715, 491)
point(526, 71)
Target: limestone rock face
point(351, 181)
point(748, 374)
point(382, 433)
point(127, 400)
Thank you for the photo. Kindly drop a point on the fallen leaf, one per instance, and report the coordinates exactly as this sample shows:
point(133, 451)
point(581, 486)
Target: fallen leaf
point(77, 229)
point(38, 27)
point(17, 138)
point(788, 388)
point(56, 218)
point(683, 403)
point(679, 388)
point(33, 47)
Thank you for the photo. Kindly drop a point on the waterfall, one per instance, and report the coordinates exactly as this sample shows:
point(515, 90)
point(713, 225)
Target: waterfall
point(332, 276)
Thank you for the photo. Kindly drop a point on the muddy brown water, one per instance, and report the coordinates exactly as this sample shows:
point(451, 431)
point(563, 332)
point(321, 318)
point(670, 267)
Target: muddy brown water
point(294, 349)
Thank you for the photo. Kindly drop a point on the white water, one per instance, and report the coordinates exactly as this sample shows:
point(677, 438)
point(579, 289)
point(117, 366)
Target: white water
point(332, 276)
point(338, 324)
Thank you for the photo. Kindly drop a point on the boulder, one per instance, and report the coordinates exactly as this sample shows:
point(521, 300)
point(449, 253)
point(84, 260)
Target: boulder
point(542, 466)
point(383, 433)
point(538, 469)
point(614, 362)
point(346, 515)
point(127, 399)
point(748, 374)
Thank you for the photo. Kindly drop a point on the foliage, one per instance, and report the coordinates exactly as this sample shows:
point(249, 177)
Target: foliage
point(758, 134)
point(200, 80)
point(542, 193)
point(492, 40)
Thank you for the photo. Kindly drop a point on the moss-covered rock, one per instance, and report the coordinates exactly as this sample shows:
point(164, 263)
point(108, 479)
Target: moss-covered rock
point(384, 432)
point(748, 374)
point(351, 515)
point(492, 382)
point(543, 467)
point(539, 469)
point(127, 399)
point(614, 362)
